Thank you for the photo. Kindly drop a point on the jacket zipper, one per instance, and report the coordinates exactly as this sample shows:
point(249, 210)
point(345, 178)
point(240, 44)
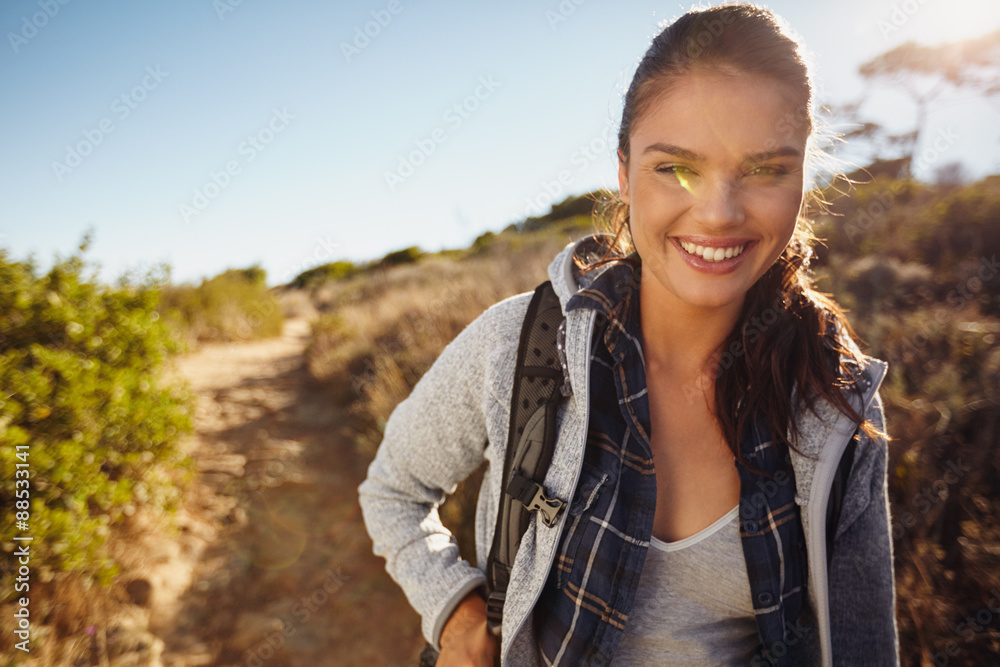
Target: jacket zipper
point(576, 480)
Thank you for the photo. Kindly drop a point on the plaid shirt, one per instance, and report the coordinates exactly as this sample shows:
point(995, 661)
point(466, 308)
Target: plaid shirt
point(581, 614)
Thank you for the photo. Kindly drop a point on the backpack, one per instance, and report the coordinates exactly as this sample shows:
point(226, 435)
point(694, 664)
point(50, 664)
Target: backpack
point(540, 385)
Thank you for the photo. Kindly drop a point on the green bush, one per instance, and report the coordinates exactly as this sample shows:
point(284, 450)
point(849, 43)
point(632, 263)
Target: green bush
point(234, 305)
point(339, 270)
point(483, 241)
point(82, 403)
point(571, 207)
point(404, 256)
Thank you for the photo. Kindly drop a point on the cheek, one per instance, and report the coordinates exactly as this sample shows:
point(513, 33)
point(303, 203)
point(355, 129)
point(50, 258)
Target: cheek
point(652, 204)
point(780, 211)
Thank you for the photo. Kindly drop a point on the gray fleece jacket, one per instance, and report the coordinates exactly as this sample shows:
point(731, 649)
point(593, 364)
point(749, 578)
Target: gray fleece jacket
point(457, 415)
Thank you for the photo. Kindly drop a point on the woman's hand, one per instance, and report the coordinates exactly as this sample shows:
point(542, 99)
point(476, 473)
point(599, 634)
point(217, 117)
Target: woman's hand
point(466, 640)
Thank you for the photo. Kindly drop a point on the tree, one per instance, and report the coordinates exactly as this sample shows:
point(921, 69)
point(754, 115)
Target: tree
point(929, 73)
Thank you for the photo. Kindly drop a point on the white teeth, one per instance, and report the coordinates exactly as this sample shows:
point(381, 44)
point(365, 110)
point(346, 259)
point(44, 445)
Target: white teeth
point(712, 254)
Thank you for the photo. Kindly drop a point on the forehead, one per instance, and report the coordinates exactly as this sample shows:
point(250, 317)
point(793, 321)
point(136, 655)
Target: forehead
point(722, 115)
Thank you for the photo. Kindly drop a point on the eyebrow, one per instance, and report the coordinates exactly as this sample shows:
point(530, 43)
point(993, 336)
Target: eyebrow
point(676, 151)
point(685, 154)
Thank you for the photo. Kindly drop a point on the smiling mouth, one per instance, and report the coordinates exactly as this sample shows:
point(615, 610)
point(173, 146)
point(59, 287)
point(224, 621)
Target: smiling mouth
point(712, 253)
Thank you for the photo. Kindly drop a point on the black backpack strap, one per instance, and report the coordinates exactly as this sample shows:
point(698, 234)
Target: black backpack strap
point(531, 439)
point(837, 491)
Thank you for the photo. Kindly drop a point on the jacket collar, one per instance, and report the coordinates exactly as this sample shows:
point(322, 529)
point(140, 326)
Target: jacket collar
point(815, 426)
point(566, 277)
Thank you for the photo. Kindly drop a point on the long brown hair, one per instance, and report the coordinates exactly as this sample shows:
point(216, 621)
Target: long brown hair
point(789, 337)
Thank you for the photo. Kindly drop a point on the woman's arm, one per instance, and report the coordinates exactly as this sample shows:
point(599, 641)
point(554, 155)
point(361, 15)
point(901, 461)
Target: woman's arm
point(862, 587)
point(432, 441)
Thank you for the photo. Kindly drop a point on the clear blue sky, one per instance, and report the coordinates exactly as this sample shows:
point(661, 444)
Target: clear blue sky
point(212, 135)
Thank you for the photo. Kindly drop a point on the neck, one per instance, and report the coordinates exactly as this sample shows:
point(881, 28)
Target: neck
point(679, 338)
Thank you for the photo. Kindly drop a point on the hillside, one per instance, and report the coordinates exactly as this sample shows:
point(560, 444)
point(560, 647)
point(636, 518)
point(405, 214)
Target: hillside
point(252, 548)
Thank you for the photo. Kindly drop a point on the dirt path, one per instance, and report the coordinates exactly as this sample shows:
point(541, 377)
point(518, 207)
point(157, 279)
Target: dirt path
point(273, 565)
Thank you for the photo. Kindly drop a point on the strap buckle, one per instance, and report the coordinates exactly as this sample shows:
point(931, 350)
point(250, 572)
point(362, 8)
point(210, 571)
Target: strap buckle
point(494, 611)
point(549, 507)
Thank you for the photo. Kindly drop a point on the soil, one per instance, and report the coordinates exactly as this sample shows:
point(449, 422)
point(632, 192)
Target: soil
point(272, 565)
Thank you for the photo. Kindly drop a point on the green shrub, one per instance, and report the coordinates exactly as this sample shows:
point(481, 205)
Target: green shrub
point(404, 256)
point(234, 305)
point(339, 270)
point(82, 403)
point(571, 207)
point(483, 241)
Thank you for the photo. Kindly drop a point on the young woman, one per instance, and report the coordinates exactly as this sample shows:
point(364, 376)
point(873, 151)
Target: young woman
point(713, 395)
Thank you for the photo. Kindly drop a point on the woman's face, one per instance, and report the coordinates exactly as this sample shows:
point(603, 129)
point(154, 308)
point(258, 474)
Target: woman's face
point(714, 186)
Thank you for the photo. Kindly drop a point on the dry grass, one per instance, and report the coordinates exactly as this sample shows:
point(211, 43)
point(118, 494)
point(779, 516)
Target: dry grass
point(379, 333)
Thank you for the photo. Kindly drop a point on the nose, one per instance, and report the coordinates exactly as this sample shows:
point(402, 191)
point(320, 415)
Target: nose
point(718, 204)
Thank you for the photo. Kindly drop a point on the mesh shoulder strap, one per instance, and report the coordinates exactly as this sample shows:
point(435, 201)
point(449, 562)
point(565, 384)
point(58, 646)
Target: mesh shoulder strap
point(535, 398)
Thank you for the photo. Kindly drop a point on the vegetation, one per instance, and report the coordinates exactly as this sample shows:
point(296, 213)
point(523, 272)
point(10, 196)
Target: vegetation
point(234, 305)
point(570, 208)
point(397, 257)
point(918, 266)
point(339, 270)
point(82, 403)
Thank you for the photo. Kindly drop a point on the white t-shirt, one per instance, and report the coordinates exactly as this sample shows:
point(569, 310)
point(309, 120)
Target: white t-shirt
point(693, 605)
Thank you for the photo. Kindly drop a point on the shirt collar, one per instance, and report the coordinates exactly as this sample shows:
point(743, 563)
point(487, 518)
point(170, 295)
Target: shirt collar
point(614, 294)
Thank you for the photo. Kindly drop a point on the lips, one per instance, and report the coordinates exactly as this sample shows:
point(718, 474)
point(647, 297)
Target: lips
point(700, 252)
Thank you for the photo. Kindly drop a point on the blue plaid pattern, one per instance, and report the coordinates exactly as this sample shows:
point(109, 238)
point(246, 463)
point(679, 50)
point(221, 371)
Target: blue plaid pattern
point(581, 614)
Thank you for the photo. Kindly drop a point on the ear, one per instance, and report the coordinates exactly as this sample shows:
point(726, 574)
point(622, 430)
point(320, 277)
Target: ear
point(622, 177)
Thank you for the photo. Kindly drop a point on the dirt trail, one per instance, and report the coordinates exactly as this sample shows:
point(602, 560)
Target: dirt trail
point(272, 565)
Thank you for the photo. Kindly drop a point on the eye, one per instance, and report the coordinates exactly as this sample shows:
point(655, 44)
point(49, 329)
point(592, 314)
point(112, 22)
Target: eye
point(677, 170)
point(768, 171)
